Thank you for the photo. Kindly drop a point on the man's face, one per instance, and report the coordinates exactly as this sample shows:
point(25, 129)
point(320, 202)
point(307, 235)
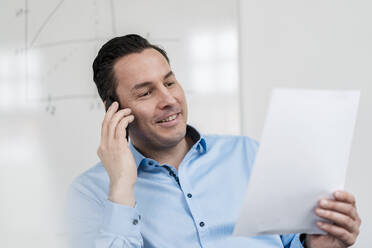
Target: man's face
point(146, 84)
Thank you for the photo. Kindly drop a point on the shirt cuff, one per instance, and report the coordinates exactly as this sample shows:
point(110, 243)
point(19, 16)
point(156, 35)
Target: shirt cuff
point(296, 242)
point(120, 220)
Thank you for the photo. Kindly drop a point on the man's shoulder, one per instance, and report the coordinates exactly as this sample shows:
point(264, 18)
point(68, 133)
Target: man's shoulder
point(97, 171)
point(93, 179)
point(218, 139)
point(237, 152)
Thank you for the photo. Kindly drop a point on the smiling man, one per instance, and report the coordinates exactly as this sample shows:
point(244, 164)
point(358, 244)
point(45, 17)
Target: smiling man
point(170, 186)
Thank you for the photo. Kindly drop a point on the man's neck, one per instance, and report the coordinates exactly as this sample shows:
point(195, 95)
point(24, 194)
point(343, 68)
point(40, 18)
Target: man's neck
point(170, 155)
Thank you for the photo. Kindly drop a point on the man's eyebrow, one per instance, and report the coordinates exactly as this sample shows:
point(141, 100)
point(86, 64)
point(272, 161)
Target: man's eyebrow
point(141, 85)
point(146, 84)
point(168, 74)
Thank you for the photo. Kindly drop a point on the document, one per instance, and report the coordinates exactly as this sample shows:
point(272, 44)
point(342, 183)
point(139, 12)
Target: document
point(302, 158)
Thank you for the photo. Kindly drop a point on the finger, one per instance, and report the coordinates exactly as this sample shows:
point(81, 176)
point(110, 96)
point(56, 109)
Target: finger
point(344, 197)
point(338, 219)
point(110, 112)
point(115, 120)
point(337, 232)
point(121, 131)
point(342, 207)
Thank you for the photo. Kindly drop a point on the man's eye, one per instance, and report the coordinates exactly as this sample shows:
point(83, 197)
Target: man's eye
point(145, 94)
point(169, 84)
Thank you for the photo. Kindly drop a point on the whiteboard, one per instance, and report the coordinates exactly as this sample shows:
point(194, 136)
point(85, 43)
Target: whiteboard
point(50, 112)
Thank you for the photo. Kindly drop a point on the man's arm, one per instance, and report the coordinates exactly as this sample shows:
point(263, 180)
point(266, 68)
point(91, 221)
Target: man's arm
point(114, 222)
point(291, 241)
point(93, 223)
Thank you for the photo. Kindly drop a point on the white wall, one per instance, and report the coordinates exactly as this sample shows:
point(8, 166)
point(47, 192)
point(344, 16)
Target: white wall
point(322, 44)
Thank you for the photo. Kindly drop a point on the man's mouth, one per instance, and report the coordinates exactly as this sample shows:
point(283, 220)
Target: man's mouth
point(169, 118)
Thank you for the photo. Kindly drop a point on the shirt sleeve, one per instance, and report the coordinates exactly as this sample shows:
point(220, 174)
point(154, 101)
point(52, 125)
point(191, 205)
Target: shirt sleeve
point(92, 223)
point(291, 241)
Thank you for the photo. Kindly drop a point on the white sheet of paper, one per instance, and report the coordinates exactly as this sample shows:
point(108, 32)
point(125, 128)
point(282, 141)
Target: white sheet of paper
point(302, 158)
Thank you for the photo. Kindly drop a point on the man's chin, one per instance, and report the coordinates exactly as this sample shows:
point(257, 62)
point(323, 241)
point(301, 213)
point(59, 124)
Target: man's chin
point(170, 138)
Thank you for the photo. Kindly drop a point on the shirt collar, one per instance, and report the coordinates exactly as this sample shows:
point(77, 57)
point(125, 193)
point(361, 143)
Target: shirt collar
point(200, 145)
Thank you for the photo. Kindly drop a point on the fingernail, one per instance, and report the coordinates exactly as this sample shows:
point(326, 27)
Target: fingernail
point(338, 194)
point(320, 211)
point(323, 203)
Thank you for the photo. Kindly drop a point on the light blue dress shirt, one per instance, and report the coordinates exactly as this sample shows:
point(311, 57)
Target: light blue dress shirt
point(196, 206)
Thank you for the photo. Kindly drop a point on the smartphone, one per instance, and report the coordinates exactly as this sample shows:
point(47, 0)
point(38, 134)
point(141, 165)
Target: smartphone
point(110, 101)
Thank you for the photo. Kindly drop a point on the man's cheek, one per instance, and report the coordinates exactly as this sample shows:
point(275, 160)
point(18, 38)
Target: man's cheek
point(142, 124)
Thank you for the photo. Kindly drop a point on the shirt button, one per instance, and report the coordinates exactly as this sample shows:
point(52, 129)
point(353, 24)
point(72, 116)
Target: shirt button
point(201, 224)
point(135, 222)
point(151, 163)
point(189, 195)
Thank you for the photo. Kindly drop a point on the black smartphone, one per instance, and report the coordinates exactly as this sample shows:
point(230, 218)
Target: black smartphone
point(109, 101)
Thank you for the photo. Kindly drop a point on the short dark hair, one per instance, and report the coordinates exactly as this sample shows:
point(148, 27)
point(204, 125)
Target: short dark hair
point(109, 54)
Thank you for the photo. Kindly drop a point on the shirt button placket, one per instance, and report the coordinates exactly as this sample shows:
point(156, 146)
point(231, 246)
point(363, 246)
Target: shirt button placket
point(202, 227)
point(172, 174)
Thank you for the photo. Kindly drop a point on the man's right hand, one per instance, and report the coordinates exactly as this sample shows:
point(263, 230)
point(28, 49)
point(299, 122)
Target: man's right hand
point(116, 156)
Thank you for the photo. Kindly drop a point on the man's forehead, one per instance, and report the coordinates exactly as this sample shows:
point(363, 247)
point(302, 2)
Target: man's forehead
point(141, 67)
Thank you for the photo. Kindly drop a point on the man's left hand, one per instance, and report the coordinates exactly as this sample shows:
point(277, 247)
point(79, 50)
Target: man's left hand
point(345, 222)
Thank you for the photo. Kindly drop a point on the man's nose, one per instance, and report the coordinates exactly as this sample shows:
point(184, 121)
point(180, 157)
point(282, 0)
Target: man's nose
point(166, 98)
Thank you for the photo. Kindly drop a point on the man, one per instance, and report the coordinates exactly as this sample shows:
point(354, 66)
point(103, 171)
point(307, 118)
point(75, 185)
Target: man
point(170, 186)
